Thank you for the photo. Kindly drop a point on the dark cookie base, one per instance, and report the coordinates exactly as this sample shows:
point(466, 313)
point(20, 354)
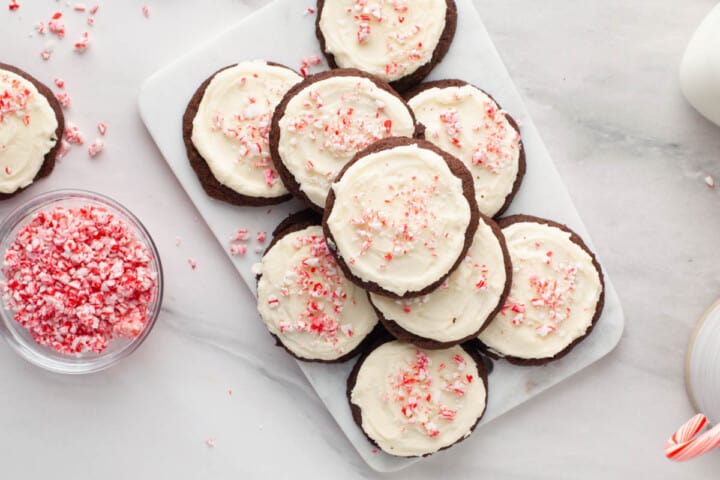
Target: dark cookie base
point(293, 223)
point(575, 238)
point(357, 411)
point(456, 167)
point(50, 157)
point(522, 164)
point(428, 343)
point(408, 81)
point(291, 183)
point(210, 184)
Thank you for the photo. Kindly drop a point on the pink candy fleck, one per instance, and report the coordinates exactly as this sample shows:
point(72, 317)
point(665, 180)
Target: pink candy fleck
point(64, 99)
point(146, 11)
point(96, 148)
point(102, 128)
point(14, 5)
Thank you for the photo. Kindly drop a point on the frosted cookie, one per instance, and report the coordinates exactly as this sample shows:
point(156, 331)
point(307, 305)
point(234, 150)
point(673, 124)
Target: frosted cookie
point(466, 122)
point(463, 305)
point(31, 130)
point(399, 41)
point(400, 217)
point(556, 297)
point(324, 121)
point(412, 402)
point(307, 304)
point(226, 127)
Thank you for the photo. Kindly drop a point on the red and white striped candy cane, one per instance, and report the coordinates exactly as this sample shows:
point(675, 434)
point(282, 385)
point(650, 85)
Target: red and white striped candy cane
point(684, 445)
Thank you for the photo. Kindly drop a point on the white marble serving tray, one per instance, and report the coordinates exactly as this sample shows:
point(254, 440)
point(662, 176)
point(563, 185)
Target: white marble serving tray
point(284, 33)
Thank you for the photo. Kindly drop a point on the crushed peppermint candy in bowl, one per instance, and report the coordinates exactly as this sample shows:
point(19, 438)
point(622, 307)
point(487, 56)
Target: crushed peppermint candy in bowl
point(80, 280)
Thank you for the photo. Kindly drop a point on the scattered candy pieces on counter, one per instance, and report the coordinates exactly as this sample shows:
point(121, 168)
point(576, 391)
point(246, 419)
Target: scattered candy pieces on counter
point(210, 442)
point(64, 99)
point(96, 148)
point(77, 278)
point(14, 5)
point(309, 11)
point(102, 128)
point(710, 181)
point(59, 82)
point(192, 263)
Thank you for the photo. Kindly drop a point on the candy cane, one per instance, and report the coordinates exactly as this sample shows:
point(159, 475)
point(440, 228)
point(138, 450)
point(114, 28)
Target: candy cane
point(685, 445)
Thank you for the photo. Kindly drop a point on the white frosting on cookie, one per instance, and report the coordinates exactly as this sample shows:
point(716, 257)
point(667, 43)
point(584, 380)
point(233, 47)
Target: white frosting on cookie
point(388, 38)
point(232, 125)
point(553, 298)
point(415, 402)
point(305, 300)
point(27, 131)
point(328, 122)
point(462, 305)
point(400, 218)
point(468, 124)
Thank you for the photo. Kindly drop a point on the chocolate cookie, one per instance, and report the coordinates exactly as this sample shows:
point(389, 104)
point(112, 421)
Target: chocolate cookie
point(324, 121)
point(400, 217)
point(463, 305)
point(226, 127)
point(468, 123)
point(307, 304)
point(556, 297)
point(400, 42)
point(411, 402)
point(30, 110)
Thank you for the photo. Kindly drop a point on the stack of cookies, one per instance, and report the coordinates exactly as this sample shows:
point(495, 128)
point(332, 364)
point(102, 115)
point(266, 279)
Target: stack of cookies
point(402, 255)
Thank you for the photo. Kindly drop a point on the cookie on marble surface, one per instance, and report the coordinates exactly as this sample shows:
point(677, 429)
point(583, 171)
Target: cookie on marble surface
point(400, 217)
point(31, 130)
point(324, 121)
point(463, 305)
point(226, 127)
point(468, 123)
point(400, 41)
point(307, 304)
point(411, 402)
point(556, 297)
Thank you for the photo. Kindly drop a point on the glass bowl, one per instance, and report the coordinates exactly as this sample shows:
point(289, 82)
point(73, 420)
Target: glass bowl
point(118, 348)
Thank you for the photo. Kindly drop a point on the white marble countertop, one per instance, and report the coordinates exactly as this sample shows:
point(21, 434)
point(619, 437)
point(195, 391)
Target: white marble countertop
point(599, 78)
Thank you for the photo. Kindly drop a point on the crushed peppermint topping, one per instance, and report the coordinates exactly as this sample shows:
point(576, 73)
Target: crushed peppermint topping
point(306, 63)
point(102, 128)
point(146, 11)
point(710, 181)
point(14, 99)
point(14, 5)
point(341, 130)
point(416, 390)
point(318, 281)
point(77, 278)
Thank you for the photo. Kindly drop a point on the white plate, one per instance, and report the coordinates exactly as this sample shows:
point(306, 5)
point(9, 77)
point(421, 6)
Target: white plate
point(284, 33)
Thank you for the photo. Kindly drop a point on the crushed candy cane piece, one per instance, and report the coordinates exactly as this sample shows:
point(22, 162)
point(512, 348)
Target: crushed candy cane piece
point(210, 442)
point(82, 45)
point(146, 11)
point(102, 128)
point(96, 148)
point(73, 135)
point(64, 99)
point(710, 181)
point(261, 237)
point(14, 5)
point(59, 82)
point(56, 25)
point(192, 263)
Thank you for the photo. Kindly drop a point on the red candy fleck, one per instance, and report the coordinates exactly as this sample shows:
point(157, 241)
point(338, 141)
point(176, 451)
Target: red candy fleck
point(13, 5)
point(64, 99)
point(77, 278)
point(310, 11)
point(192, 263)
point(261, 237)
point(59, 82)
point(82, 45)
point(102, 128)
point(57, 26)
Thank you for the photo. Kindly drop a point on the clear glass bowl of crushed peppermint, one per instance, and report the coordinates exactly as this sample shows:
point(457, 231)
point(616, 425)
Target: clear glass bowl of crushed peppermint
point(80, 280)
